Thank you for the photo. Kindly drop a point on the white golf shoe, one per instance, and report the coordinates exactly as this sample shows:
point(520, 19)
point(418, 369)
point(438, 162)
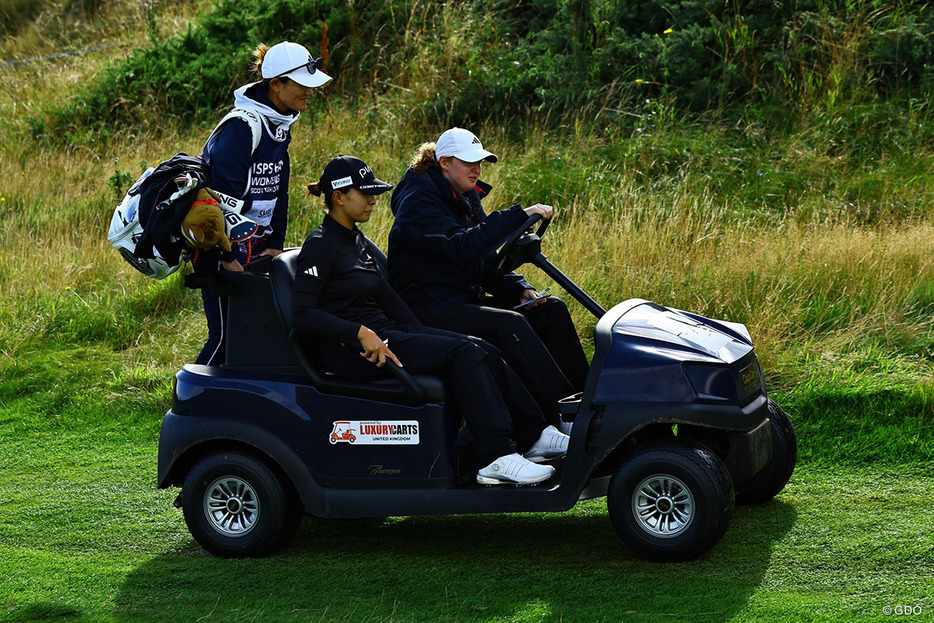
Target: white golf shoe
point(514, 469)
point(553, 444)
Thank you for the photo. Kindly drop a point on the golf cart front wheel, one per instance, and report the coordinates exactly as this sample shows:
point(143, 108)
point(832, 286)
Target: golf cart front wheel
point(671, 501)
point(236, 506)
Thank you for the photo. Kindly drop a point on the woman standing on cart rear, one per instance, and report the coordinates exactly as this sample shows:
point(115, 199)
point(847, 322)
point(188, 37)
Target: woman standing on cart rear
point(252, 178)
point(341, 294)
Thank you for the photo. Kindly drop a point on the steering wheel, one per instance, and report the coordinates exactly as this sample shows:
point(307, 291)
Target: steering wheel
point(506, 254)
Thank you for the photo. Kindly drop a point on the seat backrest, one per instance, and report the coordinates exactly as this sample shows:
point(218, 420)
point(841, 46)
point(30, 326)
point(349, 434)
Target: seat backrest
point(282, 277)
point(379, 257)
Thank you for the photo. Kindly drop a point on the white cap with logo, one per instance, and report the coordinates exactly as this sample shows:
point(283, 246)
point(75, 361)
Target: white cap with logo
point(293, 61)
point(463, 145)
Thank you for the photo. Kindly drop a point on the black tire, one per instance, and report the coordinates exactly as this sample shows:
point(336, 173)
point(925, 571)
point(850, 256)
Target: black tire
point(236, 506)
point(671, 501)
point(772, 478)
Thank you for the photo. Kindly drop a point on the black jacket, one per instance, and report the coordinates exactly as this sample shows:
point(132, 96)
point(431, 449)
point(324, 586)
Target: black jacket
point(338, 286)
point(442, 245)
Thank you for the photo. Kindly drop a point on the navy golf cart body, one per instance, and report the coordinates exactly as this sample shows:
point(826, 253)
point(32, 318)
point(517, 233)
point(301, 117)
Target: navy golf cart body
point(674, 417)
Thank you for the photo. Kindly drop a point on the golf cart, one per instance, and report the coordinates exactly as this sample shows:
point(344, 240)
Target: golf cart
point(673, 427)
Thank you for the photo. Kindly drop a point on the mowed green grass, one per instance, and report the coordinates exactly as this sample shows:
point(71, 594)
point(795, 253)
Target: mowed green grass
point(86, 536)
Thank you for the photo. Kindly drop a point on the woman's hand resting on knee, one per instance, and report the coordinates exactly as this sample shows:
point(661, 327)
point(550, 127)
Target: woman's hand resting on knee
point(375, 350)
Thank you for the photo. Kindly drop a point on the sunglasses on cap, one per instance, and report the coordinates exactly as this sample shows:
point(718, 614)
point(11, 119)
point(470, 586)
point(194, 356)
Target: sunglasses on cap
point(311, 66)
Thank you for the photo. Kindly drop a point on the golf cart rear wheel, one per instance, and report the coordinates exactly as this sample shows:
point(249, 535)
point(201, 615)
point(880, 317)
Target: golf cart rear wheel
point(671, 501)
point(772, 478)
point(236, 506)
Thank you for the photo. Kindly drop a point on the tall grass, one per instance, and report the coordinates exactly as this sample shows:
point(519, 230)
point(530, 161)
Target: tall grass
point(34, 28)
point(792, 281)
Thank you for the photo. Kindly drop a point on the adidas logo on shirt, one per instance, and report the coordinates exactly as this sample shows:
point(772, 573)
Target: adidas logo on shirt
point(312, 272)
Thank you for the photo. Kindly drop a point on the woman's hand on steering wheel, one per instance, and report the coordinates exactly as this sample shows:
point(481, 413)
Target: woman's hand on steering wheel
point(540, 208)
point(538, 213)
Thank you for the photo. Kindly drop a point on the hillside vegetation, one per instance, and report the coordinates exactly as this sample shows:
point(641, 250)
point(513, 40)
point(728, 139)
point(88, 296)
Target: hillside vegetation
point(770, 166)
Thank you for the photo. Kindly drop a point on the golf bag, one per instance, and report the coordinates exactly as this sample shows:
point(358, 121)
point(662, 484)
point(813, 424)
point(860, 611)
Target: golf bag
point(145, 227)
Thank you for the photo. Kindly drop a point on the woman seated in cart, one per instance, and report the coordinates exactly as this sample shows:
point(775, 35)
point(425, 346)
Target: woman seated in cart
point(443, 263)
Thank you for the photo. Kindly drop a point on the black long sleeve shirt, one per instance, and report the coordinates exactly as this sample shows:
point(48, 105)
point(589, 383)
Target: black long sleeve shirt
point(339, 286)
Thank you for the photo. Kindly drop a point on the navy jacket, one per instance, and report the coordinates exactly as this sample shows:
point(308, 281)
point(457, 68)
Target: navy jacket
point(259, 178)
point(442, 244)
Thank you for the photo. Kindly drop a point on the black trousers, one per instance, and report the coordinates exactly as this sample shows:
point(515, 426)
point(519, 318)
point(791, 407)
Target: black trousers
point(214, 351)
point(540, 344)
point(499, 411)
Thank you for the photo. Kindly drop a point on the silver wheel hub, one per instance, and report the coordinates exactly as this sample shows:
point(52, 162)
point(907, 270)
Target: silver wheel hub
point(231, 506)
point(663, 506)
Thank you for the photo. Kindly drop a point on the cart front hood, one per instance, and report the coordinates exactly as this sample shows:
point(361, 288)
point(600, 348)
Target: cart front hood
point(645, 352)
point(667, 329)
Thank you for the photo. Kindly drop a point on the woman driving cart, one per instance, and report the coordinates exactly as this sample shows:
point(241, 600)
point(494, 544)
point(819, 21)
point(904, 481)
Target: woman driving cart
point(442, 261)
point(340, 295)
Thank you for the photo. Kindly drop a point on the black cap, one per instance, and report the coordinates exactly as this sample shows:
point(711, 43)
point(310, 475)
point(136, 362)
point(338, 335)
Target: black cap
point(346, 171)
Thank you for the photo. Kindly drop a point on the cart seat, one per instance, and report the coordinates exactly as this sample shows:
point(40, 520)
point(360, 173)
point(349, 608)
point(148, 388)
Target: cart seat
point(402, 387)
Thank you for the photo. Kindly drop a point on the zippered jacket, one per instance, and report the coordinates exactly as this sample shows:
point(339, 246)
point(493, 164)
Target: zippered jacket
point(442, 244)
point(357, 292)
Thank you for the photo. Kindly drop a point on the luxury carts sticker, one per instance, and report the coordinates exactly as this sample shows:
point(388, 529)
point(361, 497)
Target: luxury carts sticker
point(373, 433)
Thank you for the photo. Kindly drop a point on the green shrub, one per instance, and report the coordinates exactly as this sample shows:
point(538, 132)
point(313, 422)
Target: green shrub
point(553, 58)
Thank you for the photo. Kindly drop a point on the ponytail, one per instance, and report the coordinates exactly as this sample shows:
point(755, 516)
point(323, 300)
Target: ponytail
point(315, 189)
point(424, 158)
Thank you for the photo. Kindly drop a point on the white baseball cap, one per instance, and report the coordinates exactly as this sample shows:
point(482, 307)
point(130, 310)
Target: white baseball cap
point(293, 61)
point(463, 145)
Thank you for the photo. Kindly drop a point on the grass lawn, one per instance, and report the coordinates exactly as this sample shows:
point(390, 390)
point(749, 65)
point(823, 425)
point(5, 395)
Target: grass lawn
point(85, 536)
